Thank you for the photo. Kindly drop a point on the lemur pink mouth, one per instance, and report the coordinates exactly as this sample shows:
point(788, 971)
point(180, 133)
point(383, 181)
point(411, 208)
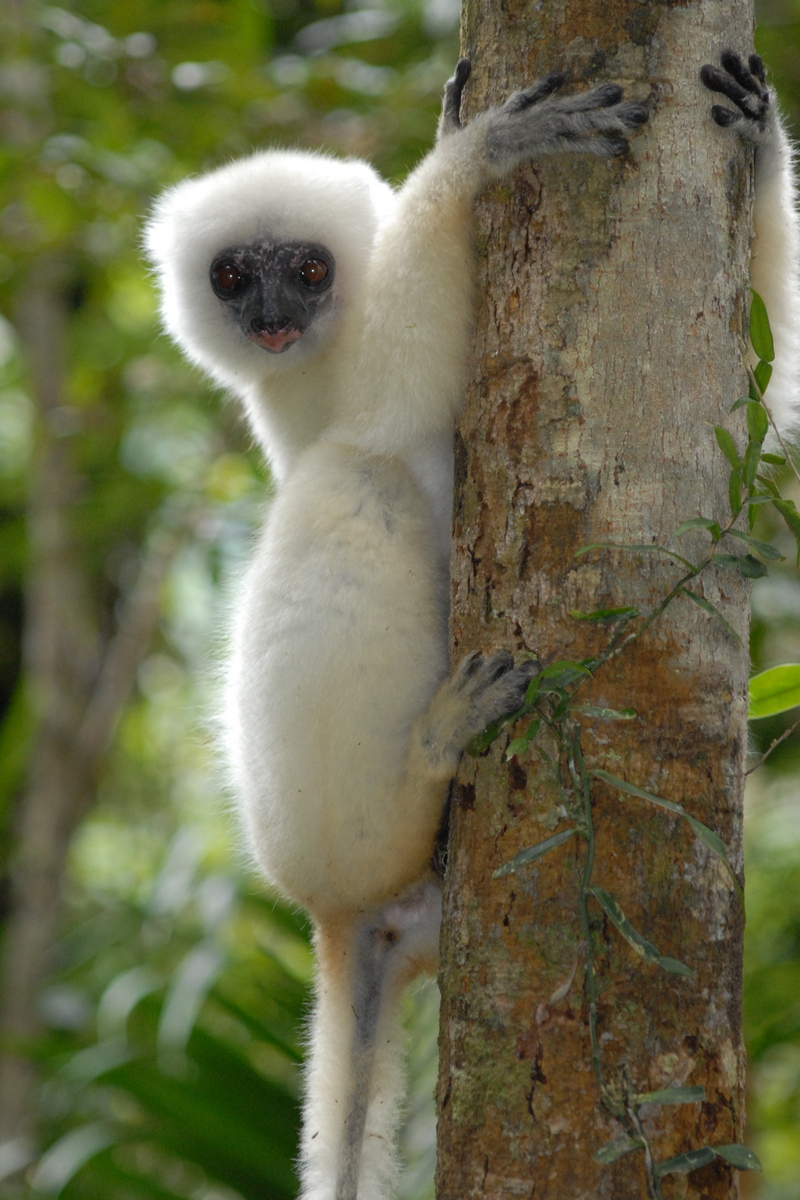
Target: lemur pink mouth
point(276, 342)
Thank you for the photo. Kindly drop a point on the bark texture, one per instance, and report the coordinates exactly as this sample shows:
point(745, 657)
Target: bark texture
point(613, 295)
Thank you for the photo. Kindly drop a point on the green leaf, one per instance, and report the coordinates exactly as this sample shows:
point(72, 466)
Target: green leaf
point(533, 852)
point(758, 498)
point(752, 568)
point(605, 714)
point(757, 421)
point(775, 460)
point(484, 740)
point(518, 746)
point(765, 549)
point(727, 445)
point(763, 374)
point(739, 1156)
point(742, 400)
point(632, 790)
point(565, 667)
point(682, 1164)
point(604, 614)
point(706, 835)
point(674, 966)
point(760, 332)
point(614, 1150)
point(716, 845)
point(673, 1095)
point(700, 523)
point(792, 519)
point(774, 691)
point(735, 490)
point(752, 457)
point(708, 607)
point(632, 546)
point(640, 944)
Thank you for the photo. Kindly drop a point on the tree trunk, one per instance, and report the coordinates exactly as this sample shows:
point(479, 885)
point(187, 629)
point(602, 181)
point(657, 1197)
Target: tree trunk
point(614, 297)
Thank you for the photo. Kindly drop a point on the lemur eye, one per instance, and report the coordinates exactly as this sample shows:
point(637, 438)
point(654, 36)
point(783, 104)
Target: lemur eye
point(314, 272)
point(226, 278)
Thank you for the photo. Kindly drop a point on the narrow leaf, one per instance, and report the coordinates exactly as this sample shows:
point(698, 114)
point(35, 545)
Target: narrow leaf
point(611, 908)
point(708, 607)
point(682, 1164)
point(606, 714)
point(533, 852)
point(674, 966)
point(604, 614)
point(774, 691)
point(701, 523)
point(742, 400)
point(623, 786)
point(766, 549)
point(791, 517)
point(758, 498)
point(775, 460)
point(673, 1095)
point(716, 845)
point(614, 1150)
point(727, 445)
point(632, 546)
point(760, 332)
point(732, 562)
point(739, 1156)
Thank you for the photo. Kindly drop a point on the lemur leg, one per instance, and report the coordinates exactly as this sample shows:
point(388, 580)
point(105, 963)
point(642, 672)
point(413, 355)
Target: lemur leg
point(775, 260)
point(364, 966)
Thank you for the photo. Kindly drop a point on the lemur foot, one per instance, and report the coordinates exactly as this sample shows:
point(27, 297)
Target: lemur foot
point(481, 690)
point(746, 87)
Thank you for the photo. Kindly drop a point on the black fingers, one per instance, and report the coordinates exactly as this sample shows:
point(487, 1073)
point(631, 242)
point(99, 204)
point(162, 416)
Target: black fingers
point(453, 91)
point(724, 116)
point(741, 73)
point(744, 85)
point(636, 114)
point(537, 91)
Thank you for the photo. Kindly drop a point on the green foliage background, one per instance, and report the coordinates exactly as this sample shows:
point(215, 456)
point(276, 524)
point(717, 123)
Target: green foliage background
point(169, 1058)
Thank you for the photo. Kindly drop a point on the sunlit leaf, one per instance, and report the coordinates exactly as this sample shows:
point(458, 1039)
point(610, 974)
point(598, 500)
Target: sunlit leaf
point(706, 523)
point(775, 690)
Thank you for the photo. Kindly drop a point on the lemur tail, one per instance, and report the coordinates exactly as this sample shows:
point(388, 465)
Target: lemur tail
point(355, 1077)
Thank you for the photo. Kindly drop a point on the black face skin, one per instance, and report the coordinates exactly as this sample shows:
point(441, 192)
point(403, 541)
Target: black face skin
point(274, 290)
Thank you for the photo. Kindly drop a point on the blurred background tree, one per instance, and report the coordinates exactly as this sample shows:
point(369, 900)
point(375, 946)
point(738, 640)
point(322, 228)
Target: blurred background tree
point(152, 992)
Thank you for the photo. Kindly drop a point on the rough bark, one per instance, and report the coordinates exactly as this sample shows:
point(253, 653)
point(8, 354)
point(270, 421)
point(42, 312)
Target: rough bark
point(613, 295)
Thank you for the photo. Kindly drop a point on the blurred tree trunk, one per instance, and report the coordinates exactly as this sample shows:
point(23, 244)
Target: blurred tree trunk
point(76, 685)
point(614, 295)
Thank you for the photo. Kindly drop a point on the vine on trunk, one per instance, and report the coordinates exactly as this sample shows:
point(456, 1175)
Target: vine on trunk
point(553, 702)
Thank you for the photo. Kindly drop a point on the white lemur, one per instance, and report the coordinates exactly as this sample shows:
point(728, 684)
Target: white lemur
point(339, 312)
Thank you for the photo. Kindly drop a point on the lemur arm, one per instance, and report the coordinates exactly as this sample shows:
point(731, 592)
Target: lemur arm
point(775, 262)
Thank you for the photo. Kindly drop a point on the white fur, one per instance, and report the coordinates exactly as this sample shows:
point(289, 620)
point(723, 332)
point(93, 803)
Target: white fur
point(775, 266)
